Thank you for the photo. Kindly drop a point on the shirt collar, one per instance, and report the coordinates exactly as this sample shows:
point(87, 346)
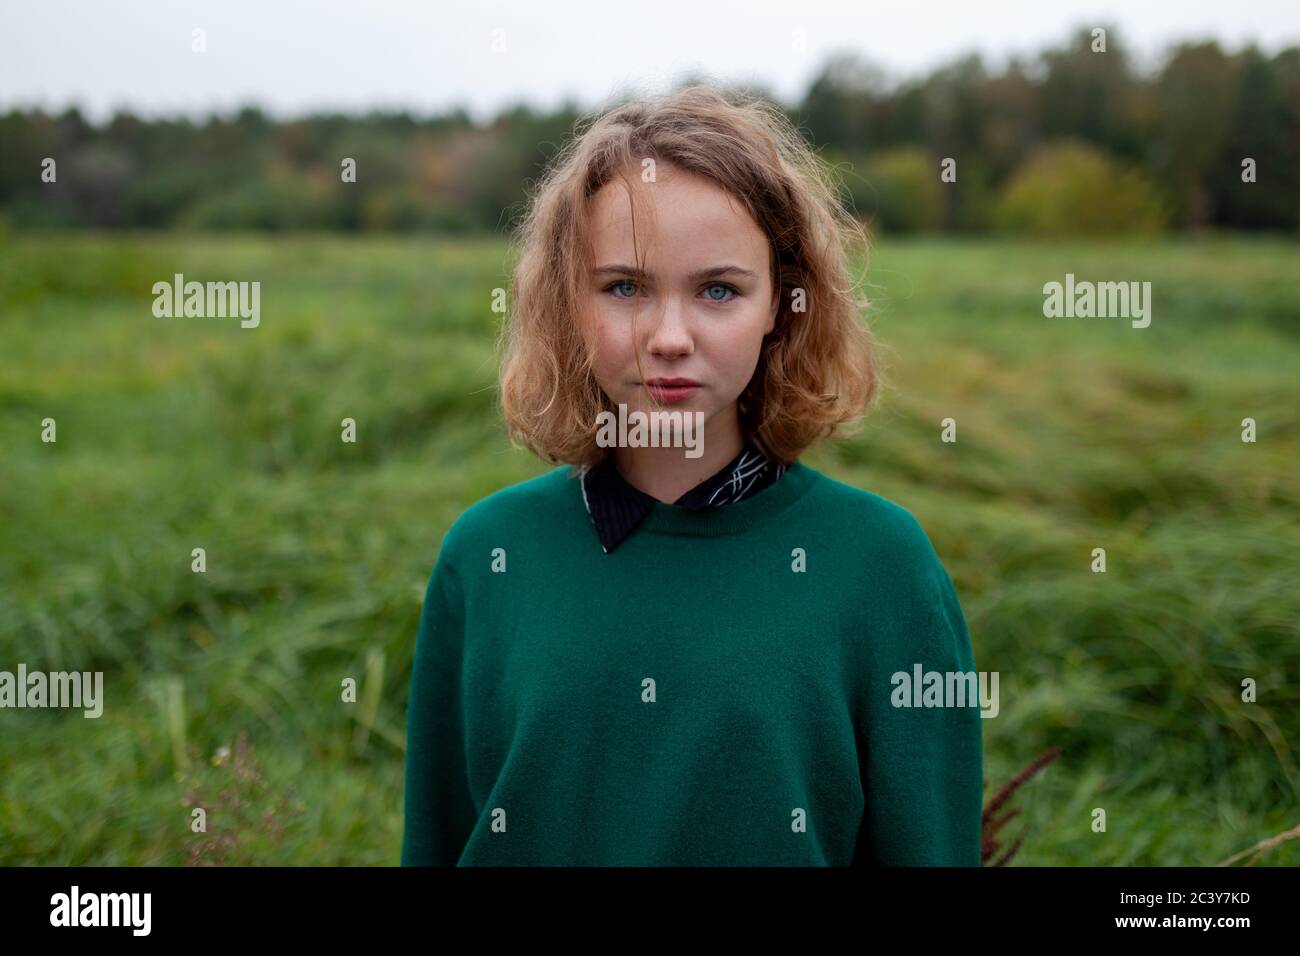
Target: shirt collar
point(617, 508)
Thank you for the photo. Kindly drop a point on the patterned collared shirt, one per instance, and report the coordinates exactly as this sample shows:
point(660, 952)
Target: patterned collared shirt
point(617, 508)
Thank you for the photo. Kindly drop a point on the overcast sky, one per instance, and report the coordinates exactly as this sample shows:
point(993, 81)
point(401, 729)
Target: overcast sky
point(292, 57)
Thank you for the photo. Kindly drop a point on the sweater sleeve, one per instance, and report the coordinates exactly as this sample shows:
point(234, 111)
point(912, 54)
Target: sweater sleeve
point(922, 770)
point(439, 811)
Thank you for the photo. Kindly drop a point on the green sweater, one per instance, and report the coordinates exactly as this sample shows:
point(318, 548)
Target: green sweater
point(718, 691)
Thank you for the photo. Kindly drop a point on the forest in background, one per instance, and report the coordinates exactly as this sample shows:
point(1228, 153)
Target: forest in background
point(1067, 142)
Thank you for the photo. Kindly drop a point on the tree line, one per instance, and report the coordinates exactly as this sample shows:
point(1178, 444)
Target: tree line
point(1075, 139)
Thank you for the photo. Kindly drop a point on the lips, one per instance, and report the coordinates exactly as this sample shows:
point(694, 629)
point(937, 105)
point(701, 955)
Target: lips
point(671, 390)
point(673, 382)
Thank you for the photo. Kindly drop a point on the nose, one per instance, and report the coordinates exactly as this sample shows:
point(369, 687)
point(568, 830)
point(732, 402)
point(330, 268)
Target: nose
point(670, 335)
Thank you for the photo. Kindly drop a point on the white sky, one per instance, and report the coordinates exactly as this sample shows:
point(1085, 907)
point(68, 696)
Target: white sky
point(292, 57)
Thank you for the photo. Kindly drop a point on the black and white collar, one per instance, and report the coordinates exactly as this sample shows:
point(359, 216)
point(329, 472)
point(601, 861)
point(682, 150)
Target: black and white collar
point(617, 508)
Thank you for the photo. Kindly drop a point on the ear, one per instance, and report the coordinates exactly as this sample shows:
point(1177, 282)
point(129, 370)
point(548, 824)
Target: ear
point(774, 311)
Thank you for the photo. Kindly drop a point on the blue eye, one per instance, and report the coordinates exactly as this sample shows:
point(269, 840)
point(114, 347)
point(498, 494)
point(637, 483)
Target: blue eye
point(632, 286)
point(621, 282)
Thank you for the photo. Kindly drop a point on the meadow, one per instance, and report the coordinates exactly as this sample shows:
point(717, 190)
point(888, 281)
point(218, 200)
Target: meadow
point(222, 689)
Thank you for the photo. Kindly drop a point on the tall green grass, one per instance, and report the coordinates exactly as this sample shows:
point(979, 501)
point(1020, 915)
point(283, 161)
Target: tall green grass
point(182, 433)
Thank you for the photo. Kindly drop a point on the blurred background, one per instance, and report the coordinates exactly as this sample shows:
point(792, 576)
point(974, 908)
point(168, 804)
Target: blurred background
point(209, 140)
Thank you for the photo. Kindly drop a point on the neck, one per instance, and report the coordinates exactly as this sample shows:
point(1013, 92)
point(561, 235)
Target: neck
point(666, 474)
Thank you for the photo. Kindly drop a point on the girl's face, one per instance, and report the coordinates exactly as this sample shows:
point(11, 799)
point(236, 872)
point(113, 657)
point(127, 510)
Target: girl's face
point(702, 306)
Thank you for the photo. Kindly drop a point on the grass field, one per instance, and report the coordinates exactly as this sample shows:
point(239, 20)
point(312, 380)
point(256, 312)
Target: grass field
point(180, 433)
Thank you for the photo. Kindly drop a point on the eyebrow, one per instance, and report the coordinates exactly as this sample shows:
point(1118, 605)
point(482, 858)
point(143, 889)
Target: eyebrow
point(712, 272)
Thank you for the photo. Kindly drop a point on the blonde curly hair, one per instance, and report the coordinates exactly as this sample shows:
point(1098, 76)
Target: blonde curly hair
point(817, 373)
